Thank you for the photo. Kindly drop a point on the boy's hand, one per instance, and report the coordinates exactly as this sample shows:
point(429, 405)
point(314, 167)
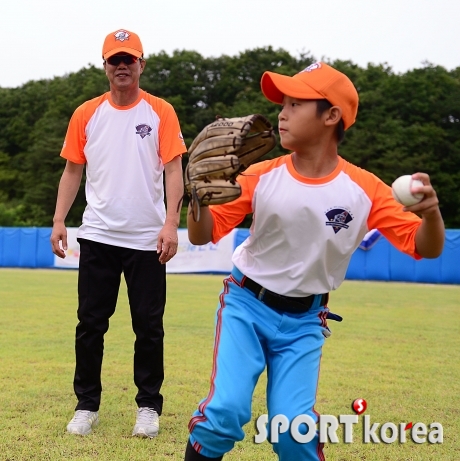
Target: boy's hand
point(429, 205)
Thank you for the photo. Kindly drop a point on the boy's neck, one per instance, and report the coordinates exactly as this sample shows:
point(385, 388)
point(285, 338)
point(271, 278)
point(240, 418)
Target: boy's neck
point(315, 163)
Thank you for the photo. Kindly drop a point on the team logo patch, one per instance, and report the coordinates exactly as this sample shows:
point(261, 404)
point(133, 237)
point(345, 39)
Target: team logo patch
point(121, 35)
point(338, 218)
point(181, 137)
point(312, 67)
point(143, 130)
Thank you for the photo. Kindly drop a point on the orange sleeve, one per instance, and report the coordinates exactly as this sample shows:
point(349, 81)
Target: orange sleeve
point(75, 138)
point(399, 227)
point(229, 215)
point(171, 140)
point(387, 215)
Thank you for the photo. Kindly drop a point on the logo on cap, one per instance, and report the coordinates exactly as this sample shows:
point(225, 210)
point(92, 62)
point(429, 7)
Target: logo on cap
point(121, 35)
point(311, 67)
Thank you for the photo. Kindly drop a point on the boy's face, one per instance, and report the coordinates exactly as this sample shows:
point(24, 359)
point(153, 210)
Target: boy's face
point(299, 124)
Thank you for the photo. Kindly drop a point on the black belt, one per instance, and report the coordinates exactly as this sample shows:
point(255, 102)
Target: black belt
point(280, 302)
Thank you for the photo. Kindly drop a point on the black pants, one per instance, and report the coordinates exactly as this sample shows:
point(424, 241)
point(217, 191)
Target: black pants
point(99, 279)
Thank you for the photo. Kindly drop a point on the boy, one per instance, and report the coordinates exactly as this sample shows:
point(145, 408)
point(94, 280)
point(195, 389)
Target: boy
point(311, 209)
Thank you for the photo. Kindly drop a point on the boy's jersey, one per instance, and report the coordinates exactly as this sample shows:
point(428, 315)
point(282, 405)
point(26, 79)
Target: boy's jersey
point(125, 149)
point(304, 231)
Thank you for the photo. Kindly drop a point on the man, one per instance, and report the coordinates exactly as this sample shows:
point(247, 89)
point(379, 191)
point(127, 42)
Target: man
point(126, 138)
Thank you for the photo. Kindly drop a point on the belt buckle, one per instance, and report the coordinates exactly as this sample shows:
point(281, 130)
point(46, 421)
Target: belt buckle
point(261, 294)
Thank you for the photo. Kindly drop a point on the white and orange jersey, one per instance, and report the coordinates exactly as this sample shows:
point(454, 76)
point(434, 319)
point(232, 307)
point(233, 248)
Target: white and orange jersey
point(304, 231)
point(124, 149)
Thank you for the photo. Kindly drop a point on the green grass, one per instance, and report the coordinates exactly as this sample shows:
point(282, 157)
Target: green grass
point(398, 347)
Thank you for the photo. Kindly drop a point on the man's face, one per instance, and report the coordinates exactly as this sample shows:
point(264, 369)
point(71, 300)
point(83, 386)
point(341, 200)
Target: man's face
point(124, 71)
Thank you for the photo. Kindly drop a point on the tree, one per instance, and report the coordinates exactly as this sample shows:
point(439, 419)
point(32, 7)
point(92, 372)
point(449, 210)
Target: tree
point(406, 122)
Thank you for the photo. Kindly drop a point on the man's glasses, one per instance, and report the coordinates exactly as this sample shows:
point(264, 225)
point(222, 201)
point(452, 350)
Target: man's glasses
point(122, 58)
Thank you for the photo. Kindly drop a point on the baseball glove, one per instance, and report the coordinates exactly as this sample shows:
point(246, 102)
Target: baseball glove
point(220, 153)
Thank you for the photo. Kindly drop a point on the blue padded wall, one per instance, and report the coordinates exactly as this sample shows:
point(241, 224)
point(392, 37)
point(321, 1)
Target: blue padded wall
point(30, 247)
point(25, 247)
point(45, 257)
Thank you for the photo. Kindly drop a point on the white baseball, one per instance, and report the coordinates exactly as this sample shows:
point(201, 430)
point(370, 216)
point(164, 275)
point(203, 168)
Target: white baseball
point(401, 189)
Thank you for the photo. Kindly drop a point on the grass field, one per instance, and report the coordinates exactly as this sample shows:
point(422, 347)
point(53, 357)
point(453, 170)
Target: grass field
point(398, 347)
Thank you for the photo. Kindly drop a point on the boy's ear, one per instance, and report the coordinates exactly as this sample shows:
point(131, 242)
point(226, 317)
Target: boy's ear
point(334, 115)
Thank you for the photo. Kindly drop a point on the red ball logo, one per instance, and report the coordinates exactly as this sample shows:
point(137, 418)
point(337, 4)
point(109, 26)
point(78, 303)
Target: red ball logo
point(359, 406)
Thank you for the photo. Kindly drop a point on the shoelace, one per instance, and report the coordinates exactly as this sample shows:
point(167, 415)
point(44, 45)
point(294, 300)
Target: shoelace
point(81, 416)
point(145, 416)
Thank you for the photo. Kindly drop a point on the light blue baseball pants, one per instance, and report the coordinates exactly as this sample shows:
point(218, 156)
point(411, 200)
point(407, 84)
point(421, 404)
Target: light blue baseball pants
point(250, 336)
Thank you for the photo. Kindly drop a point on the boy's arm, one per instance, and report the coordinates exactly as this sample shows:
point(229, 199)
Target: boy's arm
point(200, 232)
point(429, 238)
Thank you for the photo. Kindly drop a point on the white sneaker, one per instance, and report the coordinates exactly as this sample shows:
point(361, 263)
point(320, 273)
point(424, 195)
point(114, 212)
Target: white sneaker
point(82, 422)
point(147, 423)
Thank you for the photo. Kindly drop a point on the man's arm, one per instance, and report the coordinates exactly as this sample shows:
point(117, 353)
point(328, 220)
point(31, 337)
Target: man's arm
point(429, 239)
point(174, 189)
point(67, 191)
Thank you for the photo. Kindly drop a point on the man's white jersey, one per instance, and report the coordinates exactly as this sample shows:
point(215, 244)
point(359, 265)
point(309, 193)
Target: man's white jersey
point(125, 149)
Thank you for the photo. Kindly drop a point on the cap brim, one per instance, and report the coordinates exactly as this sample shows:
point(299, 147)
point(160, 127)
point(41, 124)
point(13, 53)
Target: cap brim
point(276, 86)
point(123, 49)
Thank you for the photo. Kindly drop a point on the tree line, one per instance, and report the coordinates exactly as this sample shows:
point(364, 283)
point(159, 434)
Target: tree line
point(406, 122)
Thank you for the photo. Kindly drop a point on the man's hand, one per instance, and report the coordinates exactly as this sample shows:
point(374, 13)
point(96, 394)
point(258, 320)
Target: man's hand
point(59, 234)
point(167, 243)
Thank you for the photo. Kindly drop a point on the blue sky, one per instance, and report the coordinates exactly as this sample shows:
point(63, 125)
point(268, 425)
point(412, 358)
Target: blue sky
point(49, 38)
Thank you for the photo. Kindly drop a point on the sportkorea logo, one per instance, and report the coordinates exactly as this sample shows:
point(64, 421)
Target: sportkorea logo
point(338, 218)
point(143, 130)
point(326, 426)
point(121, 35)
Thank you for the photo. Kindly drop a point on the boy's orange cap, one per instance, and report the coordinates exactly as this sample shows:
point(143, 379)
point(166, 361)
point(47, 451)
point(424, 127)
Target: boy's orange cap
point(317, 81)
point(122, 41)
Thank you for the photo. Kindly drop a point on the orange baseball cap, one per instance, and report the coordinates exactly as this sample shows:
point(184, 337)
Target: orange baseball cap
point(122, 41)
point(317, 81)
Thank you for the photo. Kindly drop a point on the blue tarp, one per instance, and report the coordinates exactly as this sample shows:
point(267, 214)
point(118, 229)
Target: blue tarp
point(384, 262)
point(25, 247)
point(376, 259)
